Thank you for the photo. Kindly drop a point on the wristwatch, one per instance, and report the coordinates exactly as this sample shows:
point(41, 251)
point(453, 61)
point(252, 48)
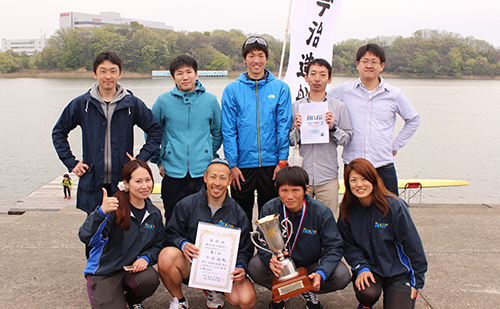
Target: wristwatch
point(282, 164)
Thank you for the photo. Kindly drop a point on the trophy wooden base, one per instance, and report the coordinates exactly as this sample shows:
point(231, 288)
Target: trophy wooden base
point(283, 289)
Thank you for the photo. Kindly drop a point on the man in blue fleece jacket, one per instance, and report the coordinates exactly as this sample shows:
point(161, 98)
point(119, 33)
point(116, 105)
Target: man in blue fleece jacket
point(191, 122)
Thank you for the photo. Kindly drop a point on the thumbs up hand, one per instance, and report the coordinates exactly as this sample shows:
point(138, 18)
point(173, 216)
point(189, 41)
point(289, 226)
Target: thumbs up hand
point(109, 204)
point(131, 158)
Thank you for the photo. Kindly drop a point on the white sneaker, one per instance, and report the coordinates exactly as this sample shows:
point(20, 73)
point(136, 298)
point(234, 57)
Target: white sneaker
point(214, 299)
point(175, 304)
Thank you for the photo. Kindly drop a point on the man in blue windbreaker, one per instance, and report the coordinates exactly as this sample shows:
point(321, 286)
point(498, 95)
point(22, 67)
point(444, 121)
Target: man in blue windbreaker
point(106, 114)
point(191, 122)
point(256, 117)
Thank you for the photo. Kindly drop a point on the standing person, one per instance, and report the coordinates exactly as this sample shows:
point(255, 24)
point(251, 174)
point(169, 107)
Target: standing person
point(320, 160)
point(126, 235)
point(256, 118)
point(315, 244)
point(381, 242)
point(67, 184)
point(373, 105)
point(106, 114)
point(213, 205)
point(191, 122)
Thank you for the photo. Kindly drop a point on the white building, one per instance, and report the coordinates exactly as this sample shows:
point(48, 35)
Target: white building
point(75, 20)
point(24, 45)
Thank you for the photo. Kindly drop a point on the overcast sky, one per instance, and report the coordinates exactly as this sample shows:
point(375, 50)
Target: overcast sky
point(358, 18)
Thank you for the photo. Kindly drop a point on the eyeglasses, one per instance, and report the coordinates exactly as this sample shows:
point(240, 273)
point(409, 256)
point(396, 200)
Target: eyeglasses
point(252, 40)
point(366, 61)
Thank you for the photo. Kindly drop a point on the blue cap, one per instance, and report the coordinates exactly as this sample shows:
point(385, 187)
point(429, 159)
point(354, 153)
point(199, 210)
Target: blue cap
point(219, 160)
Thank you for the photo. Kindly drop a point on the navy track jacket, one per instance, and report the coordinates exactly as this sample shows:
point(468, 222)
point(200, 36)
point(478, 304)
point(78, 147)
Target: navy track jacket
point(387, 246)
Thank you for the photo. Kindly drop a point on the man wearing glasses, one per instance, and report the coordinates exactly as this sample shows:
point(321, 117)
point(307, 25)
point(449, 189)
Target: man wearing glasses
point(256, 117)
point(373, 104)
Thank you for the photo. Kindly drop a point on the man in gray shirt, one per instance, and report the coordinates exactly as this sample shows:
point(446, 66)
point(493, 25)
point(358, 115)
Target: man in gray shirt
point(320, 160)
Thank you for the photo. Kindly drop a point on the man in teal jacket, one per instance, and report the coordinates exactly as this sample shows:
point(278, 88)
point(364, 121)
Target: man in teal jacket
point(191, 122)
point(256, 117)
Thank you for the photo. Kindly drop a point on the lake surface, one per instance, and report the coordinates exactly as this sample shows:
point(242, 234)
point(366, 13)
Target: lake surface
point(457, 138)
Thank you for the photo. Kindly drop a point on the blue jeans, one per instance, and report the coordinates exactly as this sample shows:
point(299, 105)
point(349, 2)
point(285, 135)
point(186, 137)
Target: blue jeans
point(388, 175)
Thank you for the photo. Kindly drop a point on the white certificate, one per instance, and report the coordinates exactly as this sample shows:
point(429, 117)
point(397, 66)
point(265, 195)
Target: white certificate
point(314, 129)
point(218, 245)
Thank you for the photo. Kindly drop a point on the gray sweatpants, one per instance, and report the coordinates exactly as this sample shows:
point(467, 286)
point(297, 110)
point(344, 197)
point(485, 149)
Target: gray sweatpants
point(110, 292)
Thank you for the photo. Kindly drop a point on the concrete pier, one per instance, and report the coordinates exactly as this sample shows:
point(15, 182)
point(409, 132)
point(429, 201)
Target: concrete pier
point(42, 259)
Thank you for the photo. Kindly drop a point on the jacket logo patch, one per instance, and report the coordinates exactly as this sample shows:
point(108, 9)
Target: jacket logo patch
point(149, 226)
point(271, 96)
point(225, 224)
point(309, 231)
point(380, 225)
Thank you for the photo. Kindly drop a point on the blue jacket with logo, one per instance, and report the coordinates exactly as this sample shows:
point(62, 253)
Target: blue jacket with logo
point(318, 239)
point(113, 248)
point(387, 246)
point(191, 123)
point(256, 118)
point(86, 112)
point(192, 209)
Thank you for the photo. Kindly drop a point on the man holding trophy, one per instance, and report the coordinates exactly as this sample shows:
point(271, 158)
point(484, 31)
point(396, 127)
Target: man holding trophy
point(312, 241)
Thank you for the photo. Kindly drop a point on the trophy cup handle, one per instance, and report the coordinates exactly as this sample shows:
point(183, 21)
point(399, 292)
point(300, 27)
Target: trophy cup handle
point(260, 240)
point(285, 232)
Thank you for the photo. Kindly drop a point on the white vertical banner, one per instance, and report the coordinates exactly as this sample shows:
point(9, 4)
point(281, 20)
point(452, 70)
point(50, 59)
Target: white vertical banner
point(312, 30)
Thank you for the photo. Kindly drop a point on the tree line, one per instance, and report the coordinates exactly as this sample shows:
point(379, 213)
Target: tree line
point(425, 53)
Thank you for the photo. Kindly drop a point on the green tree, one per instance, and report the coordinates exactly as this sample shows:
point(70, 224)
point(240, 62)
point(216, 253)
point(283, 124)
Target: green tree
point(8, 63)
point(220, 62)
point(455, 62)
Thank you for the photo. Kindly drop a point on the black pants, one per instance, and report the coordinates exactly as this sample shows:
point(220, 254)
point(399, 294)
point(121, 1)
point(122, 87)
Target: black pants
point(175, 189)
point(257, 178)
point(396, 289)
point(67, 191)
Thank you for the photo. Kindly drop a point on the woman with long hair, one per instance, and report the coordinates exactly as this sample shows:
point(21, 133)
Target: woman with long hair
point(126, 234)
point(381, 242)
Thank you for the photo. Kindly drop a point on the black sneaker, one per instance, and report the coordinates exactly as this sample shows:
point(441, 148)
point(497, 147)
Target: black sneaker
point(312, 301)
point(278, 305)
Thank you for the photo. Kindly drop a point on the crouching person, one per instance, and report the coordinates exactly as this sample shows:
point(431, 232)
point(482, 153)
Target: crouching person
point(315, 241)
point(125, 234)
point(212, 205)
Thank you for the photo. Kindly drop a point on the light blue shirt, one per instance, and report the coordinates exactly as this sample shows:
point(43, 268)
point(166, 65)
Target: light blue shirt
point(373, 118)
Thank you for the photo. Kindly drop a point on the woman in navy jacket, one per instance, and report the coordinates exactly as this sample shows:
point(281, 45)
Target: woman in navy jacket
point(381, 242)
point(126, 234)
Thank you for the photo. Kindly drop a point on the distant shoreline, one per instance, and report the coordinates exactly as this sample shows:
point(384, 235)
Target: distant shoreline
point(87, 75)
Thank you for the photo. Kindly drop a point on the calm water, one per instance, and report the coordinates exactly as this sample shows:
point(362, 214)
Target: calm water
point(457, 138)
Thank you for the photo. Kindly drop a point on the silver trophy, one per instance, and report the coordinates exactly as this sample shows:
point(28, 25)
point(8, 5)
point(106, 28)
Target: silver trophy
point(274, 233)
point(291, 281)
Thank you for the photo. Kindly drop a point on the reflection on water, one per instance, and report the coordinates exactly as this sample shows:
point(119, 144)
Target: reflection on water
point(456, 139)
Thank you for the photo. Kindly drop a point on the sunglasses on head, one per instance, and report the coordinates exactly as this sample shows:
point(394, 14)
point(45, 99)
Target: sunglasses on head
point(252, 40)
